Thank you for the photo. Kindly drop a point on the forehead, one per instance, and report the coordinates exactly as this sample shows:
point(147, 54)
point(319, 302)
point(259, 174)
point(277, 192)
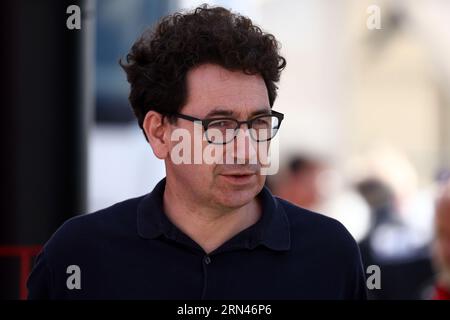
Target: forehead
point(211, 87)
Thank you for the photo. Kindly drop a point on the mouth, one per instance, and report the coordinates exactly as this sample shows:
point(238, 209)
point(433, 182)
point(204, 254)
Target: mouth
point(239, 178)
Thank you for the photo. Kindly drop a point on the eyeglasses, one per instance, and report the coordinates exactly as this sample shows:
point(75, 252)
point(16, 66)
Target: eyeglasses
point(224, 130)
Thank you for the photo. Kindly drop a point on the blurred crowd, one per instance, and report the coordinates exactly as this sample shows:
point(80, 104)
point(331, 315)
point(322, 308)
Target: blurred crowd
point(402, 228)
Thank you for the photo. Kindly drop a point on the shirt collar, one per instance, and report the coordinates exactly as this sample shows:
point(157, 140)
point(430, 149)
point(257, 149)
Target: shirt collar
point(272, 229)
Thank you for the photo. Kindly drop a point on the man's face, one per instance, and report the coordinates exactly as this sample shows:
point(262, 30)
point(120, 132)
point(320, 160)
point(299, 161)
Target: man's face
point(215, 92)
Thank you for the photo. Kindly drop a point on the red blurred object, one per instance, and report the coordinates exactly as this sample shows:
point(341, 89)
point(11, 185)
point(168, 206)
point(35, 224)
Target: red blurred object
point(441, 293)
point(25, 253)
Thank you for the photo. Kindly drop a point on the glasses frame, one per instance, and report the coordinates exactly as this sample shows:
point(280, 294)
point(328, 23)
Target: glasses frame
point(205, 123)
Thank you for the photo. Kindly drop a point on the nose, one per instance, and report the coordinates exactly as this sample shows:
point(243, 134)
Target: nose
point(245, 148)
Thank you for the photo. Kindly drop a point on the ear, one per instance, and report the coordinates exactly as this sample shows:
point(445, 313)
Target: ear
point(157, 132)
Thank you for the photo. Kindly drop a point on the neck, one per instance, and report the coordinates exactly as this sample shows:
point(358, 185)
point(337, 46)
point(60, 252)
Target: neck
point(208, 226)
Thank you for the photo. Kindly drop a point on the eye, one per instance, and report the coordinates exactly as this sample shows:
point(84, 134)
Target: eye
point(218, 124)
point(262, 122)
point(222, 124)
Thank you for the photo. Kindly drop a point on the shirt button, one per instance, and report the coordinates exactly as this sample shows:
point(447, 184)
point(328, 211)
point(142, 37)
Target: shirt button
point(207, 260)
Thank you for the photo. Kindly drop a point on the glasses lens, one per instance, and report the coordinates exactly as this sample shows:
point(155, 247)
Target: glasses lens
point(221, 131)
point(264, 128)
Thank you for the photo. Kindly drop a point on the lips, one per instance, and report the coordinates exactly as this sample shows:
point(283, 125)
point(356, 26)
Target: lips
point(239, 173)
point(240, 178)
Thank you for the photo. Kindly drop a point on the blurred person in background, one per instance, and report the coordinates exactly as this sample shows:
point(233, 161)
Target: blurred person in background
point(441, 246)
point(298, 182)
point(405, 268)
point(311, 182)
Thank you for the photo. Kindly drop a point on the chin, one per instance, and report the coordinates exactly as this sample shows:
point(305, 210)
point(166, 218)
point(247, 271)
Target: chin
point(236, 198)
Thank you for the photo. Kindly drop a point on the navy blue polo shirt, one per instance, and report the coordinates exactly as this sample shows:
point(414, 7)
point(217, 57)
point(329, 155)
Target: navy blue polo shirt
point(131, 250)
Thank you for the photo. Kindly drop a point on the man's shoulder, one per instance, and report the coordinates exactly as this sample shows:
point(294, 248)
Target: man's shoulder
point(319, 230)
point(301, 218)
point(327, 248)
point(117, 220)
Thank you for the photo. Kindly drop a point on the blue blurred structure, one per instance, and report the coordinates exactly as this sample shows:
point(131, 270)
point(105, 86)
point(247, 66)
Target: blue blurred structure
point(119, 23)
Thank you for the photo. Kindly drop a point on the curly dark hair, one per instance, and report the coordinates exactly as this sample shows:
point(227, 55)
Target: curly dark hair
point(159, 60)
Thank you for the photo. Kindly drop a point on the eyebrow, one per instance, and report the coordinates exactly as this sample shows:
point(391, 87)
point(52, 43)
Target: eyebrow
point(219, 111)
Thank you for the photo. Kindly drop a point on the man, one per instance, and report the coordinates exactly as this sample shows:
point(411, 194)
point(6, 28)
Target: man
point(208, 230)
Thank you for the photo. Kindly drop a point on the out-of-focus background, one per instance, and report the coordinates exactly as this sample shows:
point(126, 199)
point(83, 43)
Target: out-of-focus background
point(366, 136)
